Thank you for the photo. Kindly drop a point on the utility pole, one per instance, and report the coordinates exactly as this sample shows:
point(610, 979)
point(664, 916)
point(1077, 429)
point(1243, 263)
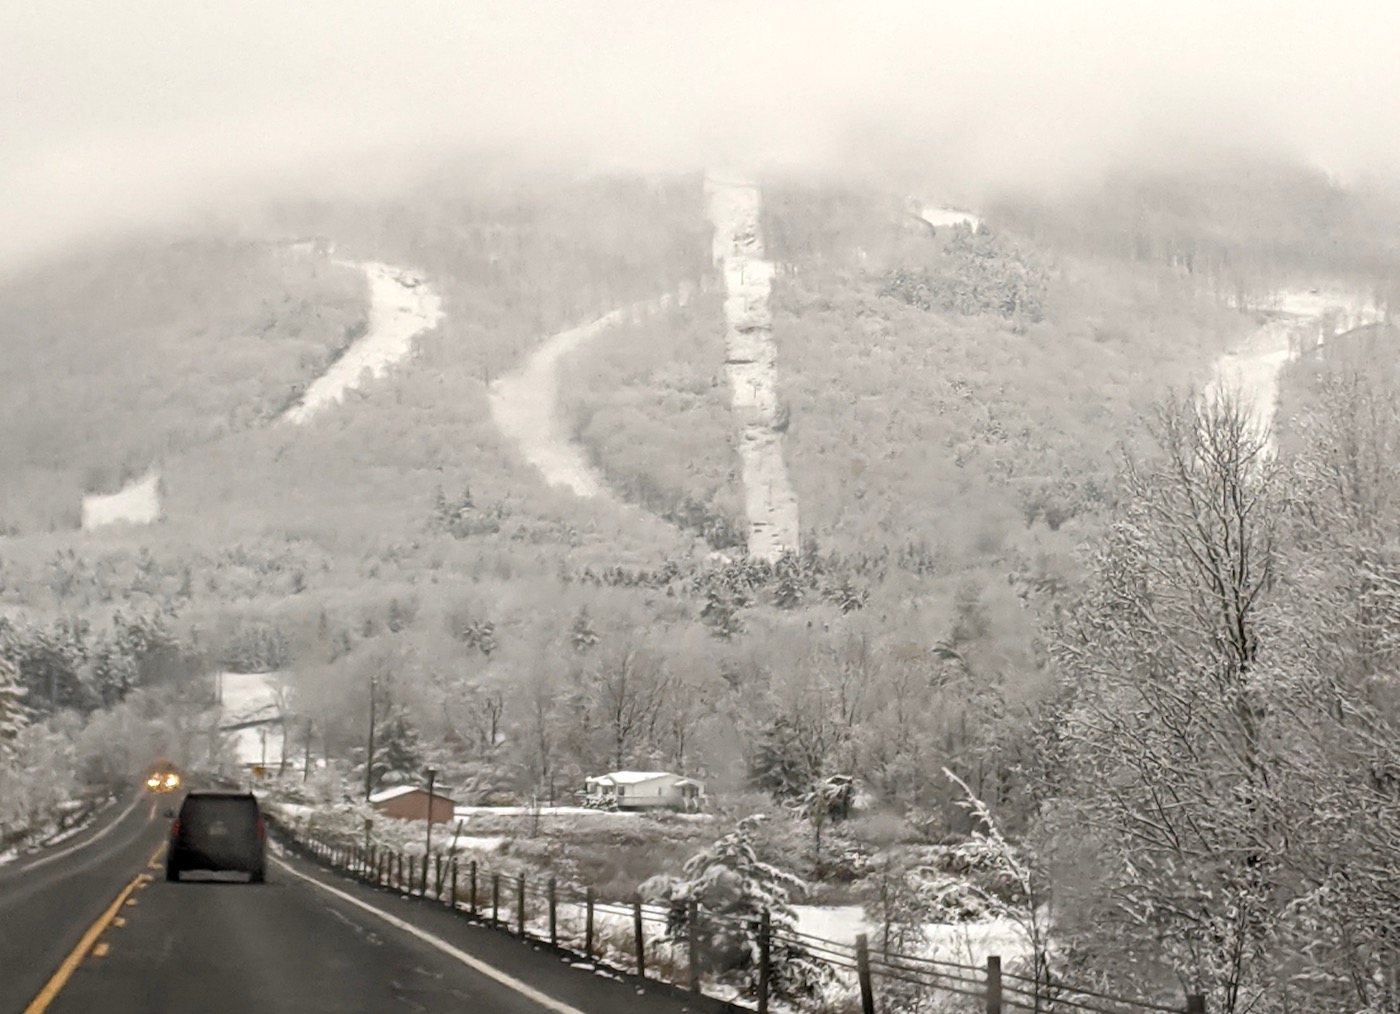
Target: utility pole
point(428, 849)
point(369, 751)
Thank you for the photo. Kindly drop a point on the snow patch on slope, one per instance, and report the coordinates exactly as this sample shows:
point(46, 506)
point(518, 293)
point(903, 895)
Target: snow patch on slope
point(402, 306)
point(1302, 320)
point(524, 404)
point(136, 503)
point(751, 362)
point(940, 217)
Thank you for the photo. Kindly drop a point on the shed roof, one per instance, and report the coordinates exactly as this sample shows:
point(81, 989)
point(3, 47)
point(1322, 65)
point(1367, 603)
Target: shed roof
point(394, 792)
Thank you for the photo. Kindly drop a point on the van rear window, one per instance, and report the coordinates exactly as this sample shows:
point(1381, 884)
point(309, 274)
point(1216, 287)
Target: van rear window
point(203, 809)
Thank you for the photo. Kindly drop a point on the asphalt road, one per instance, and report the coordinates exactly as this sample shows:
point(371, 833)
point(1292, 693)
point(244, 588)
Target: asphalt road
point(306, 941)
point(48, 899)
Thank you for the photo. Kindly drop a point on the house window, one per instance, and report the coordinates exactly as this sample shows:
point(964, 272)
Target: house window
point(621, 791)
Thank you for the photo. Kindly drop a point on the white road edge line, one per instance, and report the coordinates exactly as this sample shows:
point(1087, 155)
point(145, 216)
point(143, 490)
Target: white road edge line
point(81, 845)
point(476, 964)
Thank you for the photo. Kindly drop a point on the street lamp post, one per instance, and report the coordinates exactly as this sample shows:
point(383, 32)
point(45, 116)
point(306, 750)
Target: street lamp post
point(428, 851)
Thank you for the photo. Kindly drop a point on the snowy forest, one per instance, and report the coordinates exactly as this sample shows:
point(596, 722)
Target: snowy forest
point(1064, 641)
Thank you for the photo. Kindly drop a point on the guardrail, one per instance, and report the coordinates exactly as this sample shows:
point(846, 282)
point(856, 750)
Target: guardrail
point(665, 945)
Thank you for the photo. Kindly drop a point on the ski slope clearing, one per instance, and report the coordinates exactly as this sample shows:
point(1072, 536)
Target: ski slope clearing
point(402, 306)
point(1301, 321)
point(751, 362)
point(942, 217)
point(524, 404)
point(136, 503)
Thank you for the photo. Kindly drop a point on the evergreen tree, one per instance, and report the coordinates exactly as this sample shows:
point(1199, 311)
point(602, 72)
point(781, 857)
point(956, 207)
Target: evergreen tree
point(780, 765)
point(582, 635)
point(733, 888)
point(398, 756)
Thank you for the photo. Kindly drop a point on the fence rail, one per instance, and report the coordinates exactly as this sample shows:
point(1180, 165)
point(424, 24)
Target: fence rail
point(662, 943)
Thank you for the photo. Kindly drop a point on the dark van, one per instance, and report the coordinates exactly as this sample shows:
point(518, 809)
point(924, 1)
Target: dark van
point(217, 831)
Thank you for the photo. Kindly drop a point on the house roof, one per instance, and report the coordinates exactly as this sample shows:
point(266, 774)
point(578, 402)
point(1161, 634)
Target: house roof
point(632, 777)
point(384, 795)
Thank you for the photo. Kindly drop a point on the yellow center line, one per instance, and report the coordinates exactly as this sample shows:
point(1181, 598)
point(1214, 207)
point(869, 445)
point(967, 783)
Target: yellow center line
point(70, 964)
point(100, 951)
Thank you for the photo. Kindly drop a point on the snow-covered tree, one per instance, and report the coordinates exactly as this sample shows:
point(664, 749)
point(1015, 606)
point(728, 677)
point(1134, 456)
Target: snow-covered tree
point(733, 888)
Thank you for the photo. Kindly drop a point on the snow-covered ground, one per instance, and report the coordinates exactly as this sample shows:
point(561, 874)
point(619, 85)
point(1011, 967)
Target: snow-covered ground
point(402, 306)
point(524, 404)
point(751, 362)
point(1301, 320)
point(248, 698)
point(136, 503)
point(939, 216)
point(969, 943)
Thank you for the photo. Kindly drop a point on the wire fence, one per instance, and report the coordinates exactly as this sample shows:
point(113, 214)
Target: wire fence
point(671, 943)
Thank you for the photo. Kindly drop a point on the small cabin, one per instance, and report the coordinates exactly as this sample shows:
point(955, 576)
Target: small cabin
point(412, 802)
point(646, 790)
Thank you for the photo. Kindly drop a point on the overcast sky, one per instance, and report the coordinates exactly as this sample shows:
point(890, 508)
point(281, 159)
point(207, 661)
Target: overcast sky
point(116, 112)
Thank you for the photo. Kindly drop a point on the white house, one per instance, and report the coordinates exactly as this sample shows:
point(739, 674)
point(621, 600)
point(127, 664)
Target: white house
point(646, 790)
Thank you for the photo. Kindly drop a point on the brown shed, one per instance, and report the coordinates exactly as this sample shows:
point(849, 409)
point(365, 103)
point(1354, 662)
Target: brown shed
point(410, 802)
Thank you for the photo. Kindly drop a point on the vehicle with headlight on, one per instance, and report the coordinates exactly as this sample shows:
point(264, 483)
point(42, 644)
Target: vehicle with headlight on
point(163, 778)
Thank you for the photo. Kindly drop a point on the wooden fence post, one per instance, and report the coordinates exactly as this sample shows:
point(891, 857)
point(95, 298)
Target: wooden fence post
point(520, 906)
point(867, 990)
point(472, 907)
point(765, 926)
point(993, 984)
point(437, 876)
point(1195, 1003)
point(412, 873)
point(692, 940)
point(553, 913)
point(454, 884)
point(639, 933)
point(588, 924)
point(495, 898)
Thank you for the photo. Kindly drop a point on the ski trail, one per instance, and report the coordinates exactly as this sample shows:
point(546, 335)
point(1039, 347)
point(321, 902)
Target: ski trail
point(524, 404)
point(1303, 320)
point(402, 306)
point(751, 365)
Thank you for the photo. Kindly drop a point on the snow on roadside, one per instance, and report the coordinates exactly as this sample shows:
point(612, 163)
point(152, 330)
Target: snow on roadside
point(136, 503)
point(524, 404)
point(751, 365)
point(402, 306)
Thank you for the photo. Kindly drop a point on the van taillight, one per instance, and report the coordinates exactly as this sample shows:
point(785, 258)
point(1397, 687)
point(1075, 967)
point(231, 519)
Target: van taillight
point(175, 828)
point(262, 827)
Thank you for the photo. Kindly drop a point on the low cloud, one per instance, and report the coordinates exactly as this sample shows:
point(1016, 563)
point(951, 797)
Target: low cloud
point(130, 115)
